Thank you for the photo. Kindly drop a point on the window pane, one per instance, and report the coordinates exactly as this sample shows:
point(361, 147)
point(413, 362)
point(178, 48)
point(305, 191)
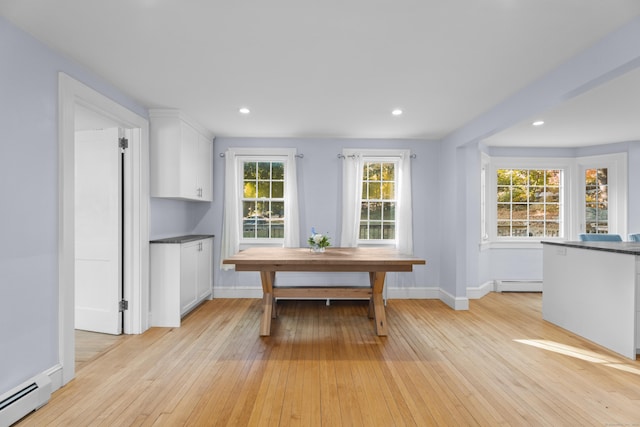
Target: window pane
point(277, 170)
point(519, 228)
point(504, 211)
point(263, 189)
point(277, 190)
point(389, 212)
point(553, 178)
point(536, 228)
point(374, 190)
point(277, 210)
point(519, 194)
point(519, 211)
point(264, 170)
point(504, 194)
point(375, 230)
point(536, 212)
point(250, 170)
point(277, 228)
point(372, 171)
point(389, 230)
point(388, 172)
point(504, 228)
point(375, 210)
point(364, 212)
point(552, 194)
point(537, 177)
point(249, 189)
point(504, 177)
point(552, 212)
point(364, 235)
point(520, 177)
point(388, 190)
point(602, 176)
point(596, 201)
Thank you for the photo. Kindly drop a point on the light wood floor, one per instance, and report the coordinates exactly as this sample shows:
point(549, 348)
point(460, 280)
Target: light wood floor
point(91, 345)
point(497, 364)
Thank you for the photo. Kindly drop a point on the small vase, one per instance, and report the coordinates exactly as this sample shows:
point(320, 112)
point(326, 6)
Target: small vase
point(317, 249)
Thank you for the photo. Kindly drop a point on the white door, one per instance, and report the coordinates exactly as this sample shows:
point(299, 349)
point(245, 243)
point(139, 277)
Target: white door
point(98, 231)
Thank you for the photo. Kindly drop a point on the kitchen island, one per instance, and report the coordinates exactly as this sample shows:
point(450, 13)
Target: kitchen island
point(593, 290)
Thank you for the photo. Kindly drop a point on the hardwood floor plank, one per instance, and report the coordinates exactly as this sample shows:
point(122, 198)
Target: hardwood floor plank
point(497, 364)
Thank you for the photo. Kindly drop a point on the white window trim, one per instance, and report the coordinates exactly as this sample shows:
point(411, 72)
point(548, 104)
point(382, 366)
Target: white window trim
point(617, 191)
point(246, 242)
point(494, 163)
point(232, 240)
point(352, 191)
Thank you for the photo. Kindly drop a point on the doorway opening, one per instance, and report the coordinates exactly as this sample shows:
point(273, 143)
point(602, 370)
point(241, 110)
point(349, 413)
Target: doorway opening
point(75, 99)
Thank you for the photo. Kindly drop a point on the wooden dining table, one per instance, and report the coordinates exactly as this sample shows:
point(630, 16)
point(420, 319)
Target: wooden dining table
point(376, 261)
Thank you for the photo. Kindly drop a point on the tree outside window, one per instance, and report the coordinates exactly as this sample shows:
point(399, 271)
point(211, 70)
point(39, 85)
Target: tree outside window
point(529, 202)
point(596, 201)
point(378, 209)
point(263, 200)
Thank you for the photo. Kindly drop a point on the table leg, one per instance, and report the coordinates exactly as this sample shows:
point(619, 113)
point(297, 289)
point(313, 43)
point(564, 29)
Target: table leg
point(377, 285)
point(268, 312)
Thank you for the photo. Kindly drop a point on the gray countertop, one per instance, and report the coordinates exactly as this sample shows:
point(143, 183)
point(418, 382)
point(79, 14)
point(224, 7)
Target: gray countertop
point(630, 248)
point(183, 239)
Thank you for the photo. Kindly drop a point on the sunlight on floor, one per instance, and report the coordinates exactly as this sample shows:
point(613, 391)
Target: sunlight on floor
point(582, 354)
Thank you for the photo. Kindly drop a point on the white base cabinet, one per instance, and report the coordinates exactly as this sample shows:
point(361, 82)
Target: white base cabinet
point(181, 277)
point(181, 155)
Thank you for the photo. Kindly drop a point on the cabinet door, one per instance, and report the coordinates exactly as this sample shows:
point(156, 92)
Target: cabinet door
point(188, 275)
point(189, 162)
point(205, 264)
point(205, 160)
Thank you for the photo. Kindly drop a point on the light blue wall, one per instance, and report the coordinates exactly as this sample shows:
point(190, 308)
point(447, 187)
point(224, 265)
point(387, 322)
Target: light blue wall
point(445, 194)
point(29, 208)
point(614, 55)
point(319, 181)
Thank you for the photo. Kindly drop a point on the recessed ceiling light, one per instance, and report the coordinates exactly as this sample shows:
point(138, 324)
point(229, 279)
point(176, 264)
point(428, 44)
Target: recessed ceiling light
point(397, 112)
point(244, 110)
point(538, 123)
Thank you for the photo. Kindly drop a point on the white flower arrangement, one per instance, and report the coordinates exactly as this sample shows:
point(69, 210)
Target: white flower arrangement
point(317, 240)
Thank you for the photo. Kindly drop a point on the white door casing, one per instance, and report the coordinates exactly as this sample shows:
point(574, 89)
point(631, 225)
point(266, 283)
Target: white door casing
point(72, 93)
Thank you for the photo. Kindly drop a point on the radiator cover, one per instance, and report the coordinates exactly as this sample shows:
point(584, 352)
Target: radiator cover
point(24, 399)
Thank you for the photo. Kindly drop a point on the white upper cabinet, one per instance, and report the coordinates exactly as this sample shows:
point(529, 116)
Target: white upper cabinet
point(181, 157)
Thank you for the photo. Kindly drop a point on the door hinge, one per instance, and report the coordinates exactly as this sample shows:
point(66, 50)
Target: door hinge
point(124, 143)
point(123, 305)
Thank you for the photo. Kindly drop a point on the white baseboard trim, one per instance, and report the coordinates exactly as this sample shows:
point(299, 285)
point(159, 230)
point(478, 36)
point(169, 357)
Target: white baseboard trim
point(413, 293)
point(237, 292)
point(480, 291)
point(55, 375)
point(457, 303)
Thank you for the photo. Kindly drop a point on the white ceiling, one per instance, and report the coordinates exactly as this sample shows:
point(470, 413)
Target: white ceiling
point(336, 68)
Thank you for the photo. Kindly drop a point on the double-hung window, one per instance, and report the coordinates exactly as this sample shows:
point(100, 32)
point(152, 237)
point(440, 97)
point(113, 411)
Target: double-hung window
point(526, 199)
point(376, 198)
point(379, 201)
point(533, 199)
point(261, 199)
point(529, 202)
point(263, 202)
point(602, 194)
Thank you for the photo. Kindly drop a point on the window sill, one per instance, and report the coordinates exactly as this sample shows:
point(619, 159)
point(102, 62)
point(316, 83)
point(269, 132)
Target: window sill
point(517, 243)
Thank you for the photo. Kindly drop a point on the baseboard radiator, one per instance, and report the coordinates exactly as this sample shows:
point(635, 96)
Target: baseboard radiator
point(518, 286)
point(24, 399)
